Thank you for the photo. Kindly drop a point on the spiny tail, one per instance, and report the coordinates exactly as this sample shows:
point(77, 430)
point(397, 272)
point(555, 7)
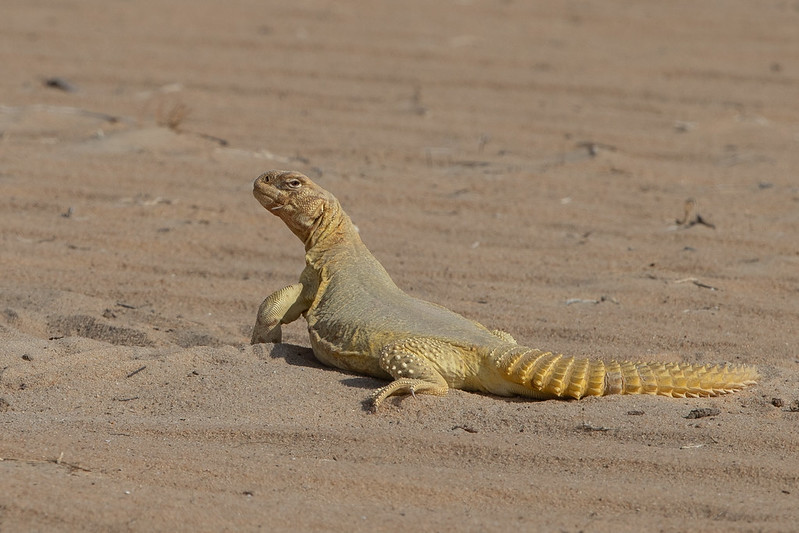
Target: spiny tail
point(548, 375)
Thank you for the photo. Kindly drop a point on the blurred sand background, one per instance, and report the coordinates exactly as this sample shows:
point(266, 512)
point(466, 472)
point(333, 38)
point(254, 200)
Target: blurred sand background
point(524, 163)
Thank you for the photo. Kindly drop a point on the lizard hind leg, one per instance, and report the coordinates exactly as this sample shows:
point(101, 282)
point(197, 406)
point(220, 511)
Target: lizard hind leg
point(412, 371)
point(504, 335)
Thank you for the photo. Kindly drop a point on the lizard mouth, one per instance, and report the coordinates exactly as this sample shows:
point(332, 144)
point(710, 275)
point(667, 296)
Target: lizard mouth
point(266, 195)
point(270, 204)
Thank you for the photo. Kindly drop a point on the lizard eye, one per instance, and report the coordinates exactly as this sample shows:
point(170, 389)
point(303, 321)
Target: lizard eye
point(293, 183)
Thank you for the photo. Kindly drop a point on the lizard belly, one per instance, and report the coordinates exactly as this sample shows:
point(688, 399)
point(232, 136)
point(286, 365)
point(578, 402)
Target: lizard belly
point(358, 361)
point(349, 329)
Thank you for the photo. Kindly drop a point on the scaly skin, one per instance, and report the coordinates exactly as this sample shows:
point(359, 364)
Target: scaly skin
point(360, 321)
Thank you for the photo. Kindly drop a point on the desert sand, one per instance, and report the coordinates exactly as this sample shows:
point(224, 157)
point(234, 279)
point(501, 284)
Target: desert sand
point(607, 179)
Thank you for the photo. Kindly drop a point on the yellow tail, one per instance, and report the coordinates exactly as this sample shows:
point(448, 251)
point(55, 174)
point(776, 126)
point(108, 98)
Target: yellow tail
point(548, 375)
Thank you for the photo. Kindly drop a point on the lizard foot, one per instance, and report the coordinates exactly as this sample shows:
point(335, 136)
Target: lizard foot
point(280, 307)
point(407, 386)
point(263, 334)
point(411, 370)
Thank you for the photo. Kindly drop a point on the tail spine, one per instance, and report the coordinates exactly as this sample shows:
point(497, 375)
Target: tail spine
point(548, 375)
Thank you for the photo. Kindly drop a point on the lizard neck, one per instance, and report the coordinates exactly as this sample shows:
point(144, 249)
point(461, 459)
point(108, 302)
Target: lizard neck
point(333, 233)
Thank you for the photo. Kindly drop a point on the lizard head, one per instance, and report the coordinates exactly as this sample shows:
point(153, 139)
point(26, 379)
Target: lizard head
point(293, 197)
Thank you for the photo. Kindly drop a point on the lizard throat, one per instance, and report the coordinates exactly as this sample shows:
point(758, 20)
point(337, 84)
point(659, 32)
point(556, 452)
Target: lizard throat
point(329, 231)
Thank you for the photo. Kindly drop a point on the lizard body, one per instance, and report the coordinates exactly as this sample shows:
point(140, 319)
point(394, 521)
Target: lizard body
point(359, 320)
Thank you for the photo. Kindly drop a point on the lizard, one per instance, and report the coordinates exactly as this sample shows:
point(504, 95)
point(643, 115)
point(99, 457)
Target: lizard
point(360, 321)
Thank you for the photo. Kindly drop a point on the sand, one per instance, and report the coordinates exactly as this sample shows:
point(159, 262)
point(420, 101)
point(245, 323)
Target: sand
point(528, 166)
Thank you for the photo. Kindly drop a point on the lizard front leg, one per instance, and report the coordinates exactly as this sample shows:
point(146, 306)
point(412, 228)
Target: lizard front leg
point(408, 362)
point(280, 307)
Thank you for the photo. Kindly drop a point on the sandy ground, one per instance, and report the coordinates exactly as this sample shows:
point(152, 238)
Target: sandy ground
point(524, 165)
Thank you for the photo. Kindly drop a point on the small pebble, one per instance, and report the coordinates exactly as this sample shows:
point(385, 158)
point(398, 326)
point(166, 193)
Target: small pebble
point(60, 84)
point(703, 412)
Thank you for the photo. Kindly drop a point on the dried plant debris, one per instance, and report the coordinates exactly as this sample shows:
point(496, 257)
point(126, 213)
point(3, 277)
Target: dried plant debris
point(601, 299)
point(703, 412)
point(588, 427)
point(174, 117)
point(691, 216)
point(61, 84)
point(698, 283)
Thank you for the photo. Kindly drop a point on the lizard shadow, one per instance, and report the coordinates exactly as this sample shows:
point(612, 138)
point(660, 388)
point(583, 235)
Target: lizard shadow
point(295, 355)
point(366, 384)
point(361, 382)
